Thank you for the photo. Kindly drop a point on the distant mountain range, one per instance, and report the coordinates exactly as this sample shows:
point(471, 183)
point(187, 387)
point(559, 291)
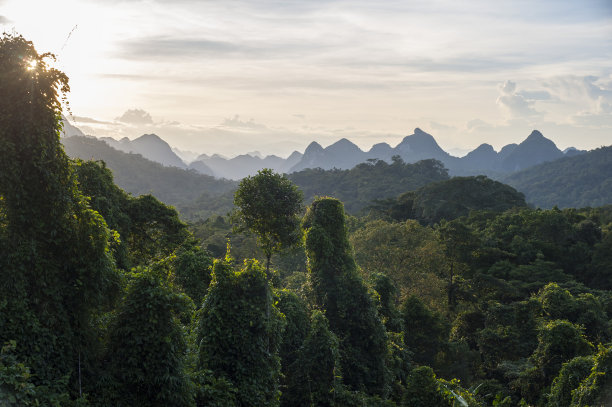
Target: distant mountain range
point(150, 146)
point(420, 145)
point(139, 175)
point(344, 154)
point(576, 179)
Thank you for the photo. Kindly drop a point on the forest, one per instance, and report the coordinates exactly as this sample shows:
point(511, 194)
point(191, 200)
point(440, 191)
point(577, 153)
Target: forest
point(454, 293)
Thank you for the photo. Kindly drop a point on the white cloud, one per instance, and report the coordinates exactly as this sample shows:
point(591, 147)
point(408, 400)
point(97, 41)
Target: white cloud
point(136, 116)
point(515, 103)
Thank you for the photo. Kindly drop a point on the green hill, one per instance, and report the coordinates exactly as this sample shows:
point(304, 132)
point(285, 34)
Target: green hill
point(579, 181)
point(366, 182)
point(451, 199)
point(192, 193)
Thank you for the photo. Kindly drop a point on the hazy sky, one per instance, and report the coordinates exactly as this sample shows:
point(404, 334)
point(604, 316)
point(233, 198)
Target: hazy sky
point(236, 76)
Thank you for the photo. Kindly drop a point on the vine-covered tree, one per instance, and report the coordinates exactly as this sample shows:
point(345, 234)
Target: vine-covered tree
point(239, 336)
point(147, 347)
point(269, 204)
point(55, 265)
point(342, 294)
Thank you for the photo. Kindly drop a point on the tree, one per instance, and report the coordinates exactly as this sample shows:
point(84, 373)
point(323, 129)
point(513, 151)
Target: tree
point(239, 335)
point(426, 332)
point(316, 378)
point(269, 204)
point(57, 270)
point(342, 294)
point(296, 330)
point(459, 242)
point(147, 345)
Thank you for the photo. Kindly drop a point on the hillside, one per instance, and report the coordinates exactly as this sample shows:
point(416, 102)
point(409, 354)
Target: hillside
point(376, 179)
point(451, 199)
point(578, 181)
point(137, 175)
point(151, 147)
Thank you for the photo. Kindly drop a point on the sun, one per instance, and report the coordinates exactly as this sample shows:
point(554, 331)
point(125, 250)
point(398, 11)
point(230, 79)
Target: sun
point(32, 65)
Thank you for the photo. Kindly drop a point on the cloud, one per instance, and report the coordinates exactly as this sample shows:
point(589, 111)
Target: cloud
point(4, 20)
point(136, 116)
point(235, 122)
point(81, 119)
point(478, 124)
point(535, 95)
point(601, 120)
point(514, 102)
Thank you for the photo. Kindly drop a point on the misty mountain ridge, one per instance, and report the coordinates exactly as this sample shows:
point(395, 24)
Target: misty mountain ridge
point(150, 146)
point(344, 154)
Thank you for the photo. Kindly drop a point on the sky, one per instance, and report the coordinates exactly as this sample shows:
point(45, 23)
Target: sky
point(236, 76)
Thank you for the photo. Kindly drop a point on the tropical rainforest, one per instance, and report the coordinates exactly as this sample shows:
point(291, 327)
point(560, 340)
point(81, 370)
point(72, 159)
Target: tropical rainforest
point(442, 292)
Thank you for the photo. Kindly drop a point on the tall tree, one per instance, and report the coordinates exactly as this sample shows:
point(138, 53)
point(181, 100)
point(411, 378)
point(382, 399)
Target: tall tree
point(342, 294)
point(239, 336)
point(269, 204)
point(55, 263)
point(147, 345)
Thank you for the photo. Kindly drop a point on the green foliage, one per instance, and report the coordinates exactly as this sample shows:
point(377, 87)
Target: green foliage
point(585, 310)
point(147, 346)
point(579, 181)
point(398, 363)
point(406, 252)
point(148, 229)
point(55, 261)
point(192, 268)
point(425, 331)
point(423, 390)
point(366, 182)
point(239, 335)
point(296, 330)
point(466, 326)
point(459, 242)
point(569, 377)
point(510, 332)
point(520, 251)
point(600, 273)
point(340, 292)
point(558, 341)
point(316, 371)
point(16, 387)
point(387, 309)
point(451, 199)
point(155, 229)
point(269, 204)
point(196, 196)
point(595, 389)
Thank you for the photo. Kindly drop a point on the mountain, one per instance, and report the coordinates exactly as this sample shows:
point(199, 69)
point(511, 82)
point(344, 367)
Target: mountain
point(138, 175)
point(243, 165)
point(185, 155)
point(421, 146)
point(484, 156)
point(572, 151)
point(149, 146)
point(343, 154)
point(534, 150)
point(571, 182)
point(381, 151)
point(68, 130)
